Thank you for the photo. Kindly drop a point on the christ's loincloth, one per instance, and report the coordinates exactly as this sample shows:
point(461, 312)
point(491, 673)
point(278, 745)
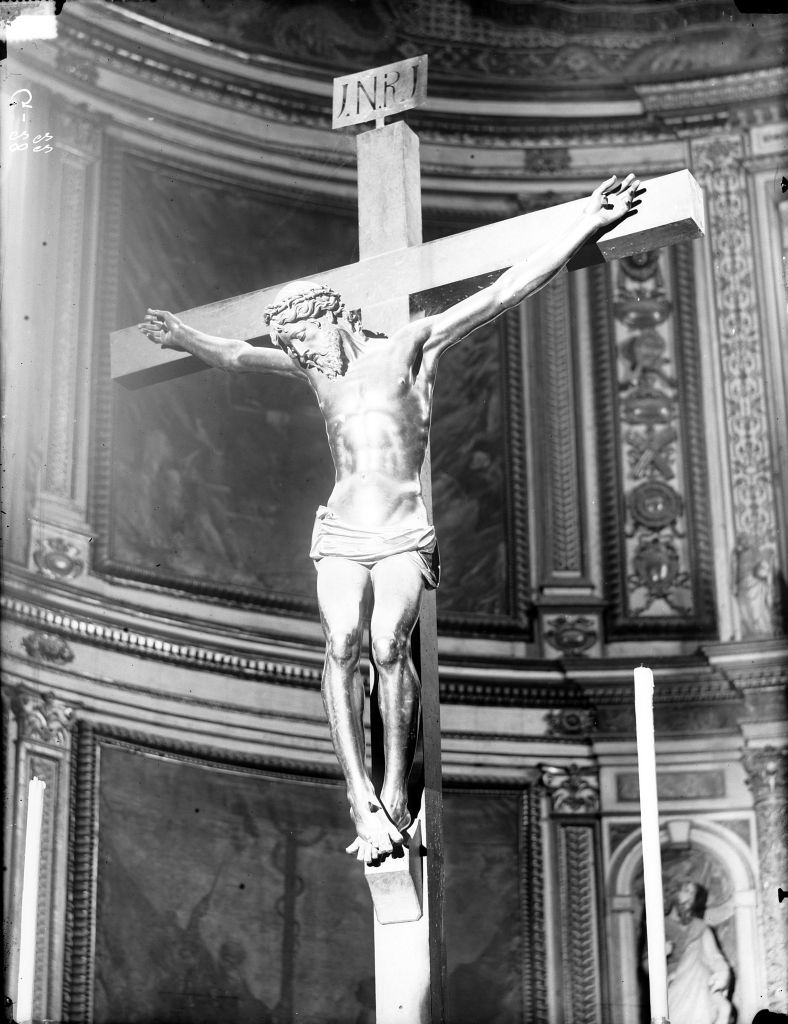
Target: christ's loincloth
point(413, 537)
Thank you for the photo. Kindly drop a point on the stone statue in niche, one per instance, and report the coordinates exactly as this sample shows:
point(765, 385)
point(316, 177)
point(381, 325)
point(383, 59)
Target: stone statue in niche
point(699, 976)
point(752, 574)
point(373, 544)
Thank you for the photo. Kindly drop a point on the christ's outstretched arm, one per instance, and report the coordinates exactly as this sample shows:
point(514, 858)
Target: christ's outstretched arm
point(607, 204)
point(166, 330)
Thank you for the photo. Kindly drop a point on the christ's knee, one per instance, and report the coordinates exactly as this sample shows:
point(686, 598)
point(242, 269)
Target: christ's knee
point(343, 646)
point(390, 649)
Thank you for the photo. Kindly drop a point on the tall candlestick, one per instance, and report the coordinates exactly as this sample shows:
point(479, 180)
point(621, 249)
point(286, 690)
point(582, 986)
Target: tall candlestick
point(652, 855)
point(29, 914)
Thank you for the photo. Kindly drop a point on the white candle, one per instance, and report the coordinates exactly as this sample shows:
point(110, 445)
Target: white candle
point(652, 857)
point(27, 931)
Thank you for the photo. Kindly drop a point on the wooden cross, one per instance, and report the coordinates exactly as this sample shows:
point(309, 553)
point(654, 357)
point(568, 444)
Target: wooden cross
point(394, 265)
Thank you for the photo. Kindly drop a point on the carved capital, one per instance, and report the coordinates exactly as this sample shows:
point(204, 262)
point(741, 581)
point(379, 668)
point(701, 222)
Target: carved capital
point(572, 790)
point(44, 718)
point(767, 774)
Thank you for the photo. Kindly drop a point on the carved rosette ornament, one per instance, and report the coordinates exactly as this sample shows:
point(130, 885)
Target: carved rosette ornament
point(767, 778)
point(43, 718)
point(58, 558)
point(570, 722)
point(572, 790)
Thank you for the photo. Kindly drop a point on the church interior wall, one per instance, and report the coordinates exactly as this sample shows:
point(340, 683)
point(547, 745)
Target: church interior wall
point(125, 685)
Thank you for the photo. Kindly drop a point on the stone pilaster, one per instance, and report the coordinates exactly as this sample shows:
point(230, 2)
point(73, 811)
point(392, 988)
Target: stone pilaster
point(767, 777)
point(573, 792)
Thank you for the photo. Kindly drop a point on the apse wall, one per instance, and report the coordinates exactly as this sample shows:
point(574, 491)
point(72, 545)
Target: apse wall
point(607, 490)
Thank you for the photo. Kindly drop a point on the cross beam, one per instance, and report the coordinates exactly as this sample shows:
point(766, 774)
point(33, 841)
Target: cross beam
point(670, 211)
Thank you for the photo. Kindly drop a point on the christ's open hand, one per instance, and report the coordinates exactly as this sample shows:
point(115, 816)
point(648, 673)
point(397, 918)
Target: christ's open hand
point(164, 329)
point(613, 199)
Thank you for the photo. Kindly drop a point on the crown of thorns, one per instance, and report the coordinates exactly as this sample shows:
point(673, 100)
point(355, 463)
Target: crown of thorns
point(274, 310)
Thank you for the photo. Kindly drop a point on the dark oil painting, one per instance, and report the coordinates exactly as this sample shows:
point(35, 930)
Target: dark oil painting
point(225, 894)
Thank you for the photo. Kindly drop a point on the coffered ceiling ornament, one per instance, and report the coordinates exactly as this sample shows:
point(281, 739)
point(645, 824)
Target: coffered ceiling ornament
point(506, 47)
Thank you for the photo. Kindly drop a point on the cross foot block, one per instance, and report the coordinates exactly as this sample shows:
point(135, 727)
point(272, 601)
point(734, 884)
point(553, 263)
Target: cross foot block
point(396, 883)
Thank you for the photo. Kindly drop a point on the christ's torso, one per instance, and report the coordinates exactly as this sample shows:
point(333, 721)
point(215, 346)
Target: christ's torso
point(377, 420)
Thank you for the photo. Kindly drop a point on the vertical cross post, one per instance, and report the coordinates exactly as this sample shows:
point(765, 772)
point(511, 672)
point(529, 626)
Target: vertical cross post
point(410, 966)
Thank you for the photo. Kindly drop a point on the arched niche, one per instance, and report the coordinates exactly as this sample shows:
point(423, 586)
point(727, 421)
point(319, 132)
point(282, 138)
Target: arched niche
point(713, 854)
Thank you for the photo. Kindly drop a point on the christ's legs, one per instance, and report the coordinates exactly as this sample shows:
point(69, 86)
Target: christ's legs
point(397, 585)
point(343, 593)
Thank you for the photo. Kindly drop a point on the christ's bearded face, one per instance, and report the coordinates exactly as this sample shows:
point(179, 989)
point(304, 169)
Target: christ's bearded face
point(313, 344)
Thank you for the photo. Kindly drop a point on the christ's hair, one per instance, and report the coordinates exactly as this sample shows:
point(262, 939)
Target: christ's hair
point(303, 304)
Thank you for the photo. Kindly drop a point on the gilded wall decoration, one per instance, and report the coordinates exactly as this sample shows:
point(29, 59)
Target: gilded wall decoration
point(656, 540)
point(718, 163)
point(212, 480)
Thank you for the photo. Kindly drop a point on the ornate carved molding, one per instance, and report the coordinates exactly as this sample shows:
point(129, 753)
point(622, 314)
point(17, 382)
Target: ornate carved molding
point(572, 790)
point(718, 163)
point(532, 910)
point(715, 91)
point(562, 537)
point(580, 939)
point(656, 547)
point(129, 641)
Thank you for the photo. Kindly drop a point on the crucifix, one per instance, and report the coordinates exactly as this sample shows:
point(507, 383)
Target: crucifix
point(373, 544)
